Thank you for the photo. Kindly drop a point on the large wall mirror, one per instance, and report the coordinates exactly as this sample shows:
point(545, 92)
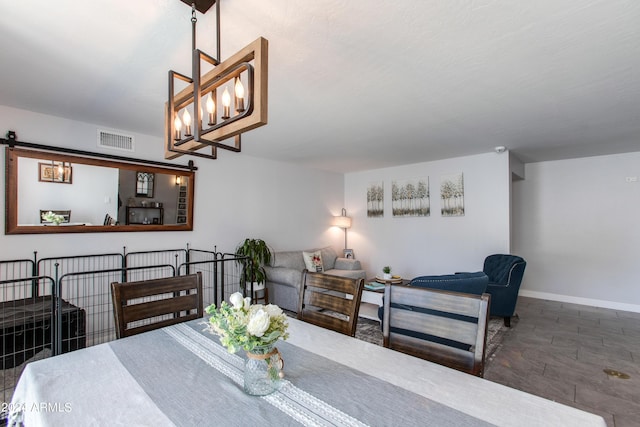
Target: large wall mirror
point(103, 196)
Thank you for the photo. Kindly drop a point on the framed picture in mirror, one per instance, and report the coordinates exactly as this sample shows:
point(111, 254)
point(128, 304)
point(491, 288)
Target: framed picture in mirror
point(56, 172)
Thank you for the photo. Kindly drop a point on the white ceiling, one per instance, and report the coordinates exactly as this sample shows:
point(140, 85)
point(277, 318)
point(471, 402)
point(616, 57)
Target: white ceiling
point(353, 84)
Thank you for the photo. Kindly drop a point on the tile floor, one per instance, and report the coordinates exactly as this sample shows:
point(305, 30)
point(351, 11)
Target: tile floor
point(559, 351)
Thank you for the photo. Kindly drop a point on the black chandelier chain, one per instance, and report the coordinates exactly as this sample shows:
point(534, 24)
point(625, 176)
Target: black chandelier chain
point(194, 21)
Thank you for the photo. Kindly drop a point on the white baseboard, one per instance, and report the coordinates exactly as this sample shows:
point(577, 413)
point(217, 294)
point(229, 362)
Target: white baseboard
point(584, 301)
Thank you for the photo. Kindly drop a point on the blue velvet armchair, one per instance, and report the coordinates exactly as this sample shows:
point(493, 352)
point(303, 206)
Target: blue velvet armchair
point(505, 276)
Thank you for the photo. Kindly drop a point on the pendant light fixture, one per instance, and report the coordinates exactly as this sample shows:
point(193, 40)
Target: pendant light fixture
point(233, 94)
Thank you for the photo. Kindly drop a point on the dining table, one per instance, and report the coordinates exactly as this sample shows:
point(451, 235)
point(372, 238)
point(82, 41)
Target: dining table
point(182, 376)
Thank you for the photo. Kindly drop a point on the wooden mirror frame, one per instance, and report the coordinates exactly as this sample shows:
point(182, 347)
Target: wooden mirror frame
point(12, 192)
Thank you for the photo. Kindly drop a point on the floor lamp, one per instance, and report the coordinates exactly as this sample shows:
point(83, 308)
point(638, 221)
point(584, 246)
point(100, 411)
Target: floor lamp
point(344, 222)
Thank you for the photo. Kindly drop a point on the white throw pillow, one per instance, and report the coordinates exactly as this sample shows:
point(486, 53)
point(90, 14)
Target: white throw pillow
point(313, 261)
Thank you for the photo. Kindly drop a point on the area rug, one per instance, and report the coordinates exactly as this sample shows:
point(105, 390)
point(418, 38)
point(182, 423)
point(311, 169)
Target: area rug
point(369, 330)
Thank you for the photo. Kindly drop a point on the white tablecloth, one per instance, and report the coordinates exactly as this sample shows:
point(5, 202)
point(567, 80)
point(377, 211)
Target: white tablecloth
point(180, 375)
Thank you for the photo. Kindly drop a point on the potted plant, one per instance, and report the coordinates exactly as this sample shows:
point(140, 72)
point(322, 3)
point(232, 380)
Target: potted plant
point(258, 254)
point(386, 273)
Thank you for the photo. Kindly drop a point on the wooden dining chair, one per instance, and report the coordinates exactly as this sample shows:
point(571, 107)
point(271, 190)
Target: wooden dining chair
point(151, 304)
point(448, 328)
point(330, 302)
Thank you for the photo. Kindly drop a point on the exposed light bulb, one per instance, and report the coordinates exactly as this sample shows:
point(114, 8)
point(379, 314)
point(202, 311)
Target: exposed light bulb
point(226, 103)
point(211, 109)
point(239, 95)
point(186, 118)
point(226, 98)
point(239, 89)
point(177, 124)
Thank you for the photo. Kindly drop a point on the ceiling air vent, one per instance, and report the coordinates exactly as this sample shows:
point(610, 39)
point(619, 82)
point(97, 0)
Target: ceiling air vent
point(115, 141)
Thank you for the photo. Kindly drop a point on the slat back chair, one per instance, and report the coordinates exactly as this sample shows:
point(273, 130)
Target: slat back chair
point(151, 304)
point(448, 328)
point(324, 295)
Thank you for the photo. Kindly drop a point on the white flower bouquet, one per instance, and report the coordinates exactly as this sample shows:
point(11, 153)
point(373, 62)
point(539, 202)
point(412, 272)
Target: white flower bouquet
point(247, 326)
point(54, 218)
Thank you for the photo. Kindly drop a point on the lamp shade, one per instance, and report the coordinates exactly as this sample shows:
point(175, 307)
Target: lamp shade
point(342, 221)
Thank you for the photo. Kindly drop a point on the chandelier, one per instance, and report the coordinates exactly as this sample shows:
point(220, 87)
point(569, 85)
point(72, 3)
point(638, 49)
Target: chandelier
point(220, 104)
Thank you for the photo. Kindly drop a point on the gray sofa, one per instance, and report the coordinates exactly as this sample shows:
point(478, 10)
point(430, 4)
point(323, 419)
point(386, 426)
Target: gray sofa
point(284, 274)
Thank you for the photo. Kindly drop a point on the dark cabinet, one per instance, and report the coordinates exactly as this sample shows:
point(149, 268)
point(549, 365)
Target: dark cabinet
point(27, 328)
point(145, 215)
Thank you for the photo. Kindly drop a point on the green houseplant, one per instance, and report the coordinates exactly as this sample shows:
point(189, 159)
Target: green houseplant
point(258, 254)
point(386, 272)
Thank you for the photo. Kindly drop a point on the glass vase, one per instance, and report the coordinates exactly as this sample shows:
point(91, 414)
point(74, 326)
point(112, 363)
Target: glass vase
point(262, 371)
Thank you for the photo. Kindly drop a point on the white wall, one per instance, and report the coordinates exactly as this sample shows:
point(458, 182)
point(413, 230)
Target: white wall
point(575, 224)
point(415, 246)
point(236, 196)
point(92, 194)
